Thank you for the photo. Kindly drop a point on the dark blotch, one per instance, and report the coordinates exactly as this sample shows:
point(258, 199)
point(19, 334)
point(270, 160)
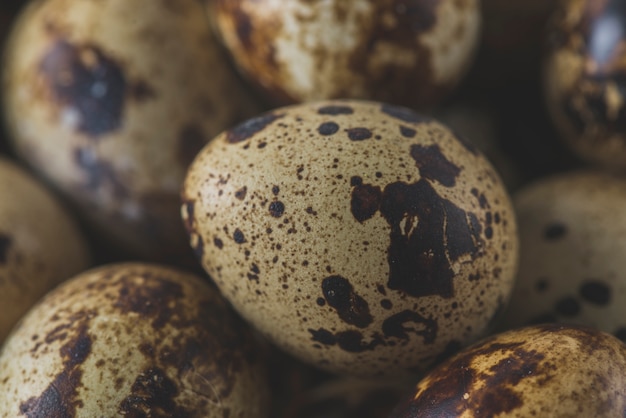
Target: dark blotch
point(359, 134)
point(340, 295)
point(433, 165)
point(191, 141)
point(277, 209)
point(238, 236)
point(275, 190)
point(335, 110)
point(554, 231)
point(251, 127)
point(5, 245)
point(323, 336)
point(407, 132)
point(404, 114)
point(394, 326)
point(328, 128)
point(218, 243)
point(595, 292)
point(366, 200)
point(241, 193)
point(84, 79)
point(99, 173)
point(567, 306)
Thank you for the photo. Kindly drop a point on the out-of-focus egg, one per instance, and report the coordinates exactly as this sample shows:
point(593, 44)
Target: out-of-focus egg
point(398, 51)
point(360, 237)
point(584, 80)
point(110, 101)
point(542, 371)
point(134, 340)
point(572, 240)
point(40, 245)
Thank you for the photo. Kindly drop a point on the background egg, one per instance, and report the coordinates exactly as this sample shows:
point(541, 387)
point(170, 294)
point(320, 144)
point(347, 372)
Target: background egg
point(110, 101)
point(548, 371)
point(406, 52)
point(584, 78)
point(133, 340)
point(572, 240)
point(360, 237)
point(40, 244)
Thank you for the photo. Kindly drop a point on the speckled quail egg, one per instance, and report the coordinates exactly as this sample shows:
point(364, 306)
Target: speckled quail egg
point(543, 371)
point(359, 236)
point(110, 101)
point(584, 79)
point(399, 51)
point(572, 240)
point(134, 340)
point(40, 245)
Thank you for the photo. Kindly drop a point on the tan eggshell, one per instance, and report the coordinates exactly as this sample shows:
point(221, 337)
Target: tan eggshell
point(572, 240)
point(385, 50)
point(40, 245)
point(542, 371)
point(584, 82)
point(132, 340)
point(360, 237)
point(110, 101)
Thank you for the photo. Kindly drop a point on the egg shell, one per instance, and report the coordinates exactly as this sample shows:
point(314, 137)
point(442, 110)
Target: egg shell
point(33, 224)
point(132, 340)
point(402, 52)
point(583, 79)
point(110, 101)
point(360, 237)
point(572, 237)
point(543, 371)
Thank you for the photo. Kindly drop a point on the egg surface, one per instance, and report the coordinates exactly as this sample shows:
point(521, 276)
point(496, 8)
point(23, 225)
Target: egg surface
point(571, 252)
point(110, 101)
point(542, 371)
point(359, 236)
point(133, 340)
point(584, 79)
point(40, 244)
point(405, 52)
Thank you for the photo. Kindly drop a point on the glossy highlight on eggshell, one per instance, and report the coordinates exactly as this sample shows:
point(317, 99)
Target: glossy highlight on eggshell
point(370, 250)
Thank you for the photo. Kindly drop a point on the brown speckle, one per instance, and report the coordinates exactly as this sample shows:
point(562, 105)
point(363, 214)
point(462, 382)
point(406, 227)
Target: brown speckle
point(218, 243)
point(359, 134)
point(277, 209)
point(351, 307)
point(241, 193)
point(153, 392)
point(238, 236)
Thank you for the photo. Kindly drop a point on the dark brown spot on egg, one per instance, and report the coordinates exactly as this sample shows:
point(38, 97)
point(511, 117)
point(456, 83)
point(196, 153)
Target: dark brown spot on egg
point(152, 392)
point(238, 236)
point(60, 399)
point(150, 297)
point(277, 209)
point(5, 245)
point(335, 110)
point(241, 193)
point(433, 165)
point(365, 201)
point(394, 326)
point(328, 128)
point(351, 307)
point(275, 190)
point(251, 127)
point(359, 134)
point(404, 114)
point(407, 132)
point(218, 243)
point(554, 231)
point(595, 292)
point(89, 85)
point(191, 141)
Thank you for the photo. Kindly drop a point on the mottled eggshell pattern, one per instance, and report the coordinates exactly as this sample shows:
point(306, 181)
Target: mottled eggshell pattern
point(361, 237)
point(110, 101)
point(584, 78)
point(572, 240)
point(133, 340)
point(40, 245)
point(542, 371)
point(398, 51)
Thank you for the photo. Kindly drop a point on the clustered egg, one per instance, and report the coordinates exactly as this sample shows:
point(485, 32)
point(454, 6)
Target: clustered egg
point(361, 237)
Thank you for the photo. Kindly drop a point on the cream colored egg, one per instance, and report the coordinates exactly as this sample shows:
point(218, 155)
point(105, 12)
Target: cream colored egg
point(402, 52)
point(359, 236)
point(110, 101)
point(572, 237)
point(40, 244)
point(543, 371)
point(132, 340)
